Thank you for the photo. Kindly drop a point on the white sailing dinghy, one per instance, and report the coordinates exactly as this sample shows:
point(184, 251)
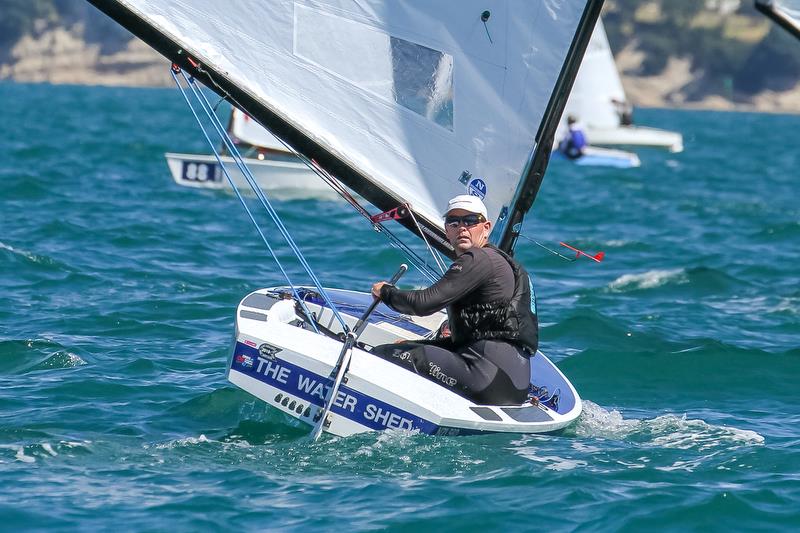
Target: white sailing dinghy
point(786, 13)
point(273, 166)
point(409, 103)
point(599, 101)
point(594, 156)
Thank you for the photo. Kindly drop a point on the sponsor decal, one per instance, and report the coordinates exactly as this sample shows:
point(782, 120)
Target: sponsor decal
point(245, 360)
point(268, 351)
point(301, 383)
point(436, 373)
point(250, 343)
point(477, 187)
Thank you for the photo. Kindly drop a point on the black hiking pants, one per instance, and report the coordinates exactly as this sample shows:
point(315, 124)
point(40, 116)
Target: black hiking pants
point(488, 372)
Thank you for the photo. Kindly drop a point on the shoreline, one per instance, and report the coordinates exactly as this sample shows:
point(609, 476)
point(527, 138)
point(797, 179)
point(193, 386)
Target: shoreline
point(728, 107)
point(60, 56)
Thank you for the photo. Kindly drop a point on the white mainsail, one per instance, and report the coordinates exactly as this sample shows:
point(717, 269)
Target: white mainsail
point(784, 12)
point(405, 101)
point(598, 100)
point(247, 130)
point(597, 85)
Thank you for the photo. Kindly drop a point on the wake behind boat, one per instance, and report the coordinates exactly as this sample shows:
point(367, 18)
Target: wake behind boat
point(366, 92)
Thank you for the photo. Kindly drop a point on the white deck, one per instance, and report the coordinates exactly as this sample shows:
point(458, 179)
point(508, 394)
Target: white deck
point(287, 366)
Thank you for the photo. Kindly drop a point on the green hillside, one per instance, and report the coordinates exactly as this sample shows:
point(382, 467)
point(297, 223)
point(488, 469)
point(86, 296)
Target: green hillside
point(734, 51)
point(737, 53)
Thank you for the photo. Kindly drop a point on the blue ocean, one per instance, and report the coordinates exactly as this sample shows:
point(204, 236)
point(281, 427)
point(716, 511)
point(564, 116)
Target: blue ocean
point(117, 297)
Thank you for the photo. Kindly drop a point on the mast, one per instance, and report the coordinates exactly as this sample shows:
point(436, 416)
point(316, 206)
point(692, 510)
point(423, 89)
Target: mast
point(782, 16)
point(537, 165)
point(391, 177)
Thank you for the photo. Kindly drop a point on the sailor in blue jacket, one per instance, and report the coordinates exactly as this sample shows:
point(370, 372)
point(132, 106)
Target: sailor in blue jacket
point(575, 142)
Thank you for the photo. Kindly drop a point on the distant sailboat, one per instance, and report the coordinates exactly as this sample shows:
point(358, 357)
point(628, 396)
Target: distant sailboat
point(273, 166)
point(409, 103)
point(599, 101)
point(786, 13)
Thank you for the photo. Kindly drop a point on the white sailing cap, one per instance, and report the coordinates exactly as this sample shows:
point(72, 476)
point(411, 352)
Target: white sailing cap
point(467, 202)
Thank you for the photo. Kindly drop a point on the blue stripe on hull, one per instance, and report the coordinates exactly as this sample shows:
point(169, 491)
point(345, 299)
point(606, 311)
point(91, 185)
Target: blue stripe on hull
point(350, 403)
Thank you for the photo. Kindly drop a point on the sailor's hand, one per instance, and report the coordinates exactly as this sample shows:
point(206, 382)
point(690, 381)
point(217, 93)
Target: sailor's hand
point(376, 289)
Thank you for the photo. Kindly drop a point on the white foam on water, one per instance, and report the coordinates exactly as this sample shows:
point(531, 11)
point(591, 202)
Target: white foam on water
point(682, 433)
point(390, 438)
point(598, 422)
point(179, 443)
point(49, 449)
point(27, 255)
point(75, 360)
point(550, 462)
point(666, 431)
point(648, 280)
point(24, 458)
point(75, 444)
point(789, 305)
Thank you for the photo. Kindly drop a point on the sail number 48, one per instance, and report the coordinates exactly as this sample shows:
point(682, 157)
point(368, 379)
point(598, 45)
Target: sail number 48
point(200, 172)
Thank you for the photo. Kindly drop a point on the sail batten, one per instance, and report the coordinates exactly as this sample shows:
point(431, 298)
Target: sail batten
point(404, 101)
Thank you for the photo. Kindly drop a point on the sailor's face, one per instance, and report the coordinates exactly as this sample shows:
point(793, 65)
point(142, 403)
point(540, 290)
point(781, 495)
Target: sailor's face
point(464, 237)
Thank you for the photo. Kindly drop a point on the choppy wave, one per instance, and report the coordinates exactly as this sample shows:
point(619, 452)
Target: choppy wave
point(699, 280)
point(42, 451)
point(27, 255)
point(21, 356)
point(118, 290)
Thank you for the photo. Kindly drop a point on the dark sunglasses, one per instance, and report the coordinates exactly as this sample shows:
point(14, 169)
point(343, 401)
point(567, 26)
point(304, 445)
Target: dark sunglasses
point(452, 221)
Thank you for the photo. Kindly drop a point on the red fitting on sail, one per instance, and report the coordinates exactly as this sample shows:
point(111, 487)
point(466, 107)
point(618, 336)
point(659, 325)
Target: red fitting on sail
point(401, 211)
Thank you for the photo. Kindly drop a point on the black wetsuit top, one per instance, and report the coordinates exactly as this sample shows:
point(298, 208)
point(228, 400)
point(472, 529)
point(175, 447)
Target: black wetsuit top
point(478, 275)
point(489, 371)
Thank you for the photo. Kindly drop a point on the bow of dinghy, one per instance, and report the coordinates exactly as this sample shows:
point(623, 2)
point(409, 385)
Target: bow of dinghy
point(279, 358)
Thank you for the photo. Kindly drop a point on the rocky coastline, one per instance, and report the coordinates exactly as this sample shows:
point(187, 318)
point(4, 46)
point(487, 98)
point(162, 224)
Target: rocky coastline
point(60, 55)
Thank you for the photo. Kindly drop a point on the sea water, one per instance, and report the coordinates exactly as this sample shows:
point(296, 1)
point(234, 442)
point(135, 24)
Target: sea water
point(117, 296)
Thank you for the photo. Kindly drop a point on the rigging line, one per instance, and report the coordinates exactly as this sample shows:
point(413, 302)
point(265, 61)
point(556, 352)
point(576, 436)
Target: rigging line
point(261, 196)
point(537, 243)
point(244, 204)
point(395, 241)
point(241, 199)
point(305, 309)
point(337, 186)
point(425, 239)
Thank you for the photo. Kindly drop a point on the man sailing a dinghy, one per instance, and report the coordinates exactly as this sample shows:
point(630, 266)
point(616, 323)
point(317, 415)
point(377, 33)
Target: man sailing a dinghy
point(493, 332)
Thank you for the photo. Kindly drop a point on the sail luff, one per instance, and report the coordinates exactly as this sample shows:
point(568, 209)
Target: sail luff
point(783, 17)
point(540, 156)
point(273, 121)
point(405, 101)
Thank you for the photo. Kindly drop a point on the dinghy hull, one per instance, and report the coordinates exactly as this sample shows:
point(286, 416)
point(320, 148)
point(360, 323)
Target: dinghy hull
point(278, 358)
point(203, 171)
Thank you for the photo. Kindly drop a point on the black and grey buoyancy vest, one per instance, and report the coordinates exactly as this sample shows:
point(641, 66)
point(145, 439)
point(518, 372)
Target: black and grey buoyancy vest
point(512, 321)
